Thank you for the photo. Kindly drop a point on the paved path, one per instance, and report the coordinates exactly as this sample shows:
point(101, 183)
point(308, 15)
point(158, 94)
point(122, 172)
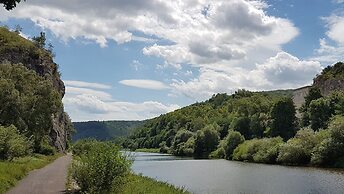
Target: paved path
point(48, 180)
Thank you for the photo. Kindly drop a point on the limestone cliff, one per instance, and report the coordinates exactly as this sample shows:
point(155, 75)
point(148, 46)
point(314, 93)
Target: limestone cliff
point(18, 50)
point(331, 79)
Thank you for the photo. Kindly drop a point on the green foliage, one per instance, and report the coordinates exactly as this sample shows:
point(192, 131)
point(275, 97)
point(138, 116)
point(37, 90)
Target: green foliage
point(259, 150)
point(27, 101)
point(100, 168)
point(298, 150)
point(314, 94)
point(245, 111)
point(12, 171)
point(142, 185)
point(231, 142)
point(104, 130)
point(13, 144)
point(320, 113)
point(242, 125)
point(206, 141)
point(40, 40)
point(183, 143)
point(331, 148)
point(331, 72)
point(283, 119)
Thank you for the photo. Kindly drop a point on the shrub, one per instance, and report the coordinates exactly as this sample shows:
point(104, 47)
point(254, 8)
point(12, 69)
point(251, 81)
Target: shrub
point(258, 150)
point(232, 140)
point(331, 148)
point(298, 150)
point(101, 169)
point(83, 146)
point(13, 144)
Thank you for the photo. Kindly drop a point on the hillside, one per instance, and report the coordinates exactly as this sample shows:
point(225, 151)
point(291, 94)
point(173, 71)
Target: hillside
point(33, 55)
point(260, 122)
point(104, 130)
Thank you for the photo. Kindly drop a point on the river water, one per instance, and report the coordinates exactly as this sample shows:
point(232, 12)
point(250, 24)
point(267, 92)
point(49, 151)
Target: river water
point(222, 176)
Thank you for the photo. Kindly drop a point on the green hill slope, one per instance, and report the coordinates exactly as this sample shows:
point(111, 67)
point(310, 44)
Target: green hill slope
point(104, 130)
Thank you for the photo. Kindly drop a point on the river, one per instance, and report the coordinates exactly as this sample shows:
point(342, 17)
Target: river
point(222, 176)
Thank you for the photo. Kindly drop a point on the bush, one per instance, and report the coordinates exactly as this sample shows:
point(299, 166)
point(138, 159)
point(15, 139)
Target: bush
point(331, 149)
point(13, 144)
point(232, 140)
point(206, 141)
point(258, 150)
point(298, 150)
point(102, 168)
point(46, 148)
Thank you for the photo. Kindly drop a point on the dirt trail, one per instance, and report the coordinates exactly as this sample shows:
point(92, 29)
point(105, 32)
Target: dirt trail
point(48, 180)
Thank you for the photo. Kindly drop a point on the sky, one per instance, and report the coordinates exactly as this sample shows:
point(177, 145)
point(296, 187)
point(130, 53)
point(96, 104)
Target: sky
point(136, 59)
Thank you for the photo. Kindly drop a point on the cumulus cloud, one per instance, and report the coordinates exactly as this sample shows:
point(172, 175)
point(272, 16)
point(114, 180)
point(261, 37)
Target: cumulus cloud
point(144, 83)
point(282, 71)
point(234, 44)
point(84, 104)
point(331, 48)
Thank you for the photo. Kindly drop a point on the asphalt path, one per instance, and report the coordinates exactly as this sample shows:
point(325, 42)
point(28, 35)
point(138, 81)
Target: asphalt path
point(50, 179)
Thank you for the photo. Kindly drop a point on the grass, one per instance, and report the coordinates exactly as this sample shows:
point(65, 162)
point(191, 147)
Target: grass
point(136, 184)
point(151, 150)
point(143, 185)
point(13, 171)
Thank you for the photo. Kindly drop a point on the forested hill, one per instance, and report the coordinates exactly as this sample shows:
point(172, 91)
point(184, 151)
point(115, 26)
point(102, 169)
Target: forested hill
point(104, 130)
point(256, 126)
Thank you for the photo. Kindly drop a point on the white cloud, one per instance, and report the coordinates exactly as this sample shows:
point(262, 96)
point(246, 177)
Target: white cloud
point(282, 71)
point(144, 83)
point(87, 91)
point(336, 28)
point(331, 48)
point(74, 83)
point(84, 107)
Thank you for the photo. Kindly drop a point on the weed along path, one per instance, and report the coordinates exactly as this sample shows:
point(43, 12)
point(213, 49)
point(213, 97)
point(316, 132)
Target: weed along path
point(48, 180)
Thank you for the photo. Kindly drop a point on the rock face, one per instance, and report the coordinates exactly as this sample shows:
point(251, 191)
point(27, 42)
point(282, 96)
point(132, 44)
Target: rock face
point(299, 97)
point(18, 50)
point(328, 86)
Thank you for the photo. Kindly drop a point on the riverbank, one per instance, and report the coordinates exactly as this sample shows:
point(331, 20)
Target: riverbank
point(148, 150)
point(13, 171)
point(142, 184)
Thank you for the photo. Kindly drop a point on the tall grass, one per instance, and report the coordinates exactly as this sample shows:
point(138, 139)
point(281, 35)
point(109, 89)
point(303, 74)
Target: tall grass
point(143, 185)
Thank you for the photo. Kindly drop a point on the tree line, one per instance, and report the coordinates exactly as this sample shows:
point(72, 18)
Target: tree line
point(252, 126)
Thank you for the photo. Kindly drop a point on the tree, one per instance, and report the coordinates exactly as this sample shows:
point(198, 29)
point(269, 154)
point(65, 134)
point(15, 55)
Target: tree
point(283, 119)
point(232, 141)
point(40, 40)
point(206, 141)
point(331, 149)
point(314, 94)
point(27, 101)
point(242, 125)
point(320, 113)
point(10, 4)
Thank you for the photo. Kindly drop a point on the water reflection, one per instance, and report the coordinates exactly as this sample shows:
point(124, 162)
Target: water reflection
point(222, 176)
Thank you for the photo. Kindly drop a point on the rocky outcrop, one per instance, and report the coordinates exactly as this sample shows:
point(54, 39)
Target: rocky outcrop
point(328, 86)
point(18, 50)
point(299, 96)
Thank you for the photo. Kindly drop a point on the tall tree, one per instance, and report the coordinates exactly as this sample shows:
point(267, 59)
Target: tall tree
point(283, 119)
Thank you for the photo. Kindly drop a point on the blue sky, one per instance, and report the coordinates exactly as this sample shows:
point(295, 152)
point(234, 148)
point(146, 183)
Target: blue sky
point(134, 59)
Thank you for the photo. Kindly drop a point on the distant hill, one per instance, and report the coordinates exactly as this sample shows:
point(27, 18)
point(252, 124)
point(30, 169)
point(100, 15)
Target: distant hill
point(104, 130)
